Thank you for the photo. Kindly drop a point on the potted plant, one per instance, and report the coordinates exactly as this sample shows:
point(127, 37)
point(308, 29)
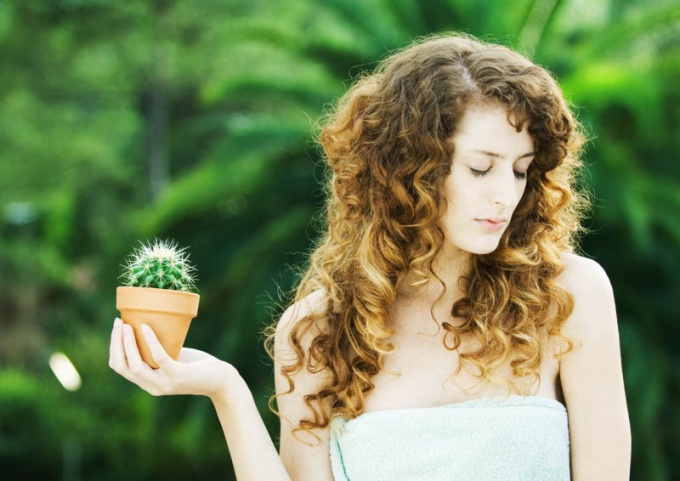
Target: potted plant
point(157, 291)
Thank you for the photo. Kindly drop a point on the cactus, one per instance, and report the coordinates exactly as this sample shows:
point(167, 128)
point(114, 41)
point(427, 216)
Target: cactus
point(161, 265)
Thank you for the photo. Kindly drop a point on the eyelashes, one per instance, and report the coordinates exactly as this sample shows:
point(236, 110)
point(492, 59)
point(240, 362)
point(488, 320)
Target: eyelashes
point(482, 173)
point(479, 173)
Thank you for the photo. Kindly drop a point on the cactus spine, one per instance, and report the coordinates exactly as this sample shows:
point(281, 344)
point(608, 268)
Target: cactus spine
point(161, 265)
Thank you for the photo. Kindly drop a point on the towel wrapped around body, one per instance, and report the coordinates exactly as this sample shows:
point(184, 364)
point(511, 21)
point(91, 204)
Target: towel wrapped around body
point(522, 438)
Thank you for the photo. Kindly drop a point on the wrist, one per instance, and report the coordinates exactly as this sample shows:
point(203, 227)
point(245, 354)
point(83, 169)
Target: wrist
point(232, 389)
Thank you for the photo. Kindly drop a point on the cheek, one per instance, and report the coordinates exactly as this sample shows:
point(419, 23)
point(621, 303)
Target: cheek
point(461, 200)
point(462, 194)
point(521, 189)
point(526, 199)
point(450, 197)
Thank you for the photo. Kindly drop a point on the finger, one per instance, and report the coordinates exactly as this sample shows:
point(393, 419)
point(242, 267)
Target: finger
point(117, 357)
point(134, 360)
point(116, 353)
point(158, 353)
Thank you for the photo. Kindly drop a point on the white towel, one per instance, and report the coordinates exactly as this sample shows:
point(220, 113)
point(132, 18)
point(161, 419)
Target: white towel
point(522, 438)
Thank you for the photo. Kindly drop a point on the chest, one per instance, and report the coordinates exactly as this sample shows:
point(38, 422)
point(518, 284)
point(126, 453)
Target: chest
point(420, 373)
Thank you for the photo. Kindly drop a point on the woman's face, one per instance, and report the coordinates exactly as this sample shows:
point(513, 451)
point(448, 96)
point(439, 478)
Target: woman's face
point(487, 180)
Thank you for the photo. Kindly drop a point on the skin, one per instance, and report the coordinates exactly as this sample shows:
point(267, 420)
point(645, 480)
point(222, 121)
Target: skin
point(486, 181)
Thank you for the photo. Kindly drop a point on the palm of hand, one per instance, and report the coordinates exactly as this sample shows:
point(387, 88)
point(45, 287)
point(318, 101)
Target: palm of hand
point(194, 372)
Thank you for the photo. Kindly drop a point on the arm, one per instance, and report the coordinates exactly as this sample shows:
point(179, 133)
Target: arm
point(305, 459)
point(252, 450)
point(309, 459)
point(592, 377)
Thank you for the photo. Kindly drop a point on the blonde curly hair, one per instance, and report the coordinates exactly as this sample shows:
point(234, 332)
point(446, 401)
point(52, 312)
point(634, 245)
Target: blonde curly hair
point(388, 145)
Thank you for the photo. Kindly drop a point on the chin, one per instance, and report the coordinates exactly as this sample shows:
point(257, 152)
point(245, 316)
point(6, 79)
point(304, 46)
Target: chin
point(480, 246)
point(486, 251)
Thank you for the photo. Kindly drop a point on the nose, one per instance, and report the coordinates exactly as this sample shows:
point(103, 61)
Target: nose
point(505, 190)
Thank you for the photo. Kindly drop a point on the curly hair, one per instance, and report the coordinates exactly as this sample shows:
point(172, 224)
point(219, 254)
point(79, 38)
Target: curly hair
point(388, 145)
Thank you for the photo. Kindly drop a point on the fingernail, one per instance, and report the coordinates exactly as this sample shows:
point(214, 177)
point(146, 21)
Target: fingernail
point(146, 329)
point(116, 322)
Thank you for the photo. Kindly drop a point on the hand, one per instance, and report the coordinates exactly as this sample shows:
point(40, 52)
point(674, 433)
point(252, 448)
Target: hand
point(195, 372)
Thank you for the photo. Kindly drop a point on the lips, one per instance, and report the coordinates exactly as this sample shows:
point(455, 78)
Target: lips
point(492, 223)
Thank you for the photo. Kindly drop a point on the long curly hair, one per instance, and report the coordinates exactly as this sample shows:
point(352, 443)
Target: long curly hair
point(388, 145)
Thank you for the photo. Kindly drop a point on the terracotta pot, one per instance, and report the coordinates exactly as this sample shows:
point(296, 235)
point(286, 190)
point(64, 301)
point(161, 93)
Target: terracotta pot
point(167, 312)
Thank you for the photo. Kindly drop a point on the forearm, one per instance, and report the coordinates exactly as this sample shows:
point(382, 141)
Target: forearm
point(252, 451)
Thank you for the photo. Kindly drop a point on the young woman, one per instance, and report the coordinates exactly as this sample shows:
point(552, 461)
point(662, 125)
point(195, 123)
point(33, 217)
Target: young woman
point(444, 328)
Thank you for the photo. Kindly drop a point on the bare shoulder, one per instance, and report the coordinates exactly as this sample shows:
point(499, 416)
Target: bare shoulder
point(314, 303)
point(314, 306)
point(582, 274)
point(593, 295)
point(303, 456)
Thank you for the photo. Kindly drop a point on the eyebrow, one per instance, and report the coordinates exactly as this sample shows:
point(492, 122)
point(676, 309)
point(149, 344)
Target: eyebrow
point(499, 156)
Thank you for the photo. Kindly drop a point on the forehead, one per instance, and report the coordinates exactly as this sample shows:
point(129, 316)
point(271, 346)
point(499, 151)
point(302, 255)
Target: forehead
point(488, 128)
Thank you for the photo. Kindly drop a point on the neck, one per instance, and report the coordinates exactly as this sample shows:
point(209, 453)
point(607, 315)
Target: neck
point(449, 266)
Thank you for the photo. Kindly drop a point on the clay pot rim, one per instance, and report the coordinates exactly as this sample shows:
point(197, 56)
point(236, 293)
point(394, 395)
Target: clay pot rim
point(151, 299)
point(155, 290)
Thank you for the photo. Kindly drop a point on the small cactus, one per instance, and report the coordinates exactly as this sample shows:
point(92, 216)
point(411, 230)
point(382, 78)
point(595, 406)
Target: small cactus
point(161, 265)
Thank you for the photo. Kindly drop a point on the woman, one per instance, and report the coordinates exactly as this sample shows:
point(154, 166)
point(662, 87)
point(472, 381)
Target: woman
point(444, 328)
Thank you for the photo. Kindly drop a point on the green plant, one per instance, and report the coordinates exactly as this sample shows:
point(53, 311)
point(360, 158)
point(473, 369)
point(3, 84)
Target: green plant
point(161, 265)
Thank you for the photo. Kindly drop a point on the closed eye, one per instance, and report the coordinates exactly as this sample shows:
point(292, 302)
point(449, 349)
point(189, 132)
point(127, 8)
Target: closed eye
point(482, 173)
point(479, 173)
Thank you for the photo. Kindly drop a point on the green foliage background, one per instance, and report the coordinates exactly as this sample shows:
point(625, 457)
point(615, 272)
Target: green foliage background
point(126, 120)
